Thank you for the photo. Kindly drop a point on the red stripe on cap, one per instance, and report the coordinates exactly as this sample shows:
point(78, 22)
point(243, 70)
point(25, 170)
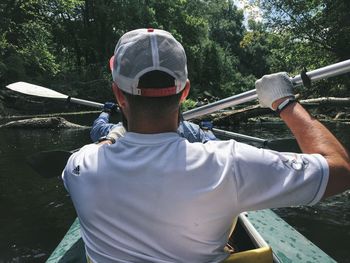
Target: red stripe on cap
point(150, 30)
point(111, 63)
point(158, 92)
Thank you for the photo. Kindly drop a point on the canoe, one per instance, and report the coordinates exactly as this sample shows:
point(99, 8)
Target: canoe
point(259, 236)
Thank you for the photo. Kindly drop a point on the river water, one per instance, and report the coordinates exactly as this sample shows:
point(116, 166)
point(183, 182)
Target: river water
point(36, 212)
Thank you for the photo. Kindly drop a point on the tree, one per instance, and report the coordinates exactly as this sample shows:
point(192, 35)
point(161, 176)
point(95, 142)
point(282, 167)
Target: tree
point(324, 23)
point(311, 34)
point(255, 54)
point(225, 25)
point(26, 42)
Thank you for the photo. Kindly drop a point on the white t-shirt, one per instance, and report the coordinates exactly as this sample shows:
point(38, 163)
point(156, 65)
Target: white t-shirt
point(159, 198)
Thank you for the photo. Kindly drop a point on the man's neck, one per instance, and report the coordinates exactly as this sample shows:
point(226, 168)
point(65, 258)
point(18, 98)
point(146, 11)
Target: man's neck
point(150, 126)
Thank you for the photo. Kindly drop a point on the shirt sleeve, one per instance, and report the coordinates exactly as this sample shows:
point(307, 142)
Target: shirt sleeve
point(72, 167)
point(193, 133)
point(101, 127)
point(66, 172)
point(270, 179)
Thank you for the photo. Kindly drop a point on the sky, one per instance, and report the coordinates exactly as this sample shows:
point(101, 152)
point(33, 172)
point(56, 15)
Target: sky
point(250, 8)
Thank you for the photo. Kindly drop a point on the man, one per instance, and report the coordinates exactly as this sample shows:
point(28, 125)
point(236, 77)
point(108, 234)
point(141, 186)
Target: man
point(191, 131)
point(151, 196)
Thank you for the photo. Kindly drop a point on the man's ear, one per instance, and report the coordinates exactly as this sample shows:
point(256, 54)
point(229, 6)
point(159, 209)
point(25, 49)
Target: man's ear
point(119, 95)
point(186, 91)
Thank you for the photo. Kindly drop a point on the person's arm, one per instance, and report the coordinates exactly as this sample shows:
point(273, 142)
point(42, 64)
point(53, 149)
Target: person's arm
point(312, 137)
point(193, 132)
point(101, 125)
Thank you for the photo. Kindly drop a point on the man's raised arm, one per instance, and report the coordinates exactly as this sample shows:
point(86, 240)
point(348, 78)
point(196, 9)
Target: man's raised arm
point(275, 91)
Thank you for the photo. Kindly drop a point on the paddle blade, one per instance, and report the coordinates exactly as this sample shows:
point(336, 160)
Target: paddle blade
point(49, 164)
point(35, 90)
point(284, 145)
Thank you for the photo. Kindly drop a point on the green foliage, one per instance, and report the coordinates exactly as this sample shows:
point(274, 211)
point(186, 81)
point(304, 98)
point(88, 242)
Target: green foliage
point(26, 42)
point(64, 42)
point(220, 76)
point(226, 24)
point(255, 52)
point(325, 23)
point(309, 34)
point(188, 105)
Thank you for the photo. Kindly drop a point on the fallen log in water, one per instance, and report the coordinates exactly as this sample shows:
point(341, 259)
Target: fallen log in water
point(43, 123)
point(236, 116)
point(48, 115)
point(327, 101)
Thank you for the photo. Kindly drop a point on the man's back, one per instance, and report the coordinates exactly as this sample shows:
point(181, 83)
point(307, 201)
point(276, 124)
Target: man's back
point(159, 198)
point(147, 204)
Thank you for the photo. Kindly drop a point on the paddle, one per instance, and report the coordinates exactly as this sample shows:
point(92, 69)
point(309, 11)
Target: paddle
point(49, 164)
point(314, 75)
point(281, 145)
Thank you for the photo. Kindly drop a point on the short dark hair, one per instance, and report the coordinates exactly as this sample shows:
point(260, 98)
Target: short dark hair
point(156, 79)
point(155, 106)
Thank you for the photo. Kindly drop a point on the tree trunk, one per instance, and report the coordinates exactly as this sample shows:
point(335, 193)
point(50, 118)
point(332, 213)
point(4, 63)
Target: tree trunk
point(43, 123)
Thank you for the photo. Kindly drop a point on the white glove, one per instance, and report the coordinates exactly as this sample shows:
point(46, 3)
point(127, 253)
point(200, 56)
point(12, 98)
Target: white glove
point(117, 132)
point(273, 87)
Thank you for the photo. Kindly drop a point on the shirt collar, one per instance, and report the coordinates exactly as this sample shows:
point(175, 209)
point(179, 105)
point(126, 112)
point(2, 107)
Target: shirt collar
point(146, 139)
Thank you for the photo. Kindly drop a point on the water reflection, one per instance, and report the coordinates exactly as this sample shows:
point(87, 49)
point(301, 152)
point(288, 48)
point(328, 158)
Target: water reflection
point(35, 212)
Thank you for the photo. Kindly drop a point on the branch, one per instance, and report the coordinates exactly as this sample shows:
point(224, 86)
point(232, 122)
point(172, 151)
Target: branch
point(306, 35)
point(236, 116)
point(330, 101)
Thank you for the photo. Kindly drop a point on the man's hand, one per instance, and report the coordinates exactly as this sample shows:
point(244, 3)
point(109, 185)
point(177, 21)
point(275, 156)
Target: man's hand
point(272, 88)
point(109, 107)
point(117, 132)
point(114, 134)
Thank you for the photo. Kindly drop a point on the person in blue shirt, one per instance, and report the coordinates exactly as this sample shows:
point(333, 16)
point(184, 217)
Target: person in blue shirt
point(191, 131)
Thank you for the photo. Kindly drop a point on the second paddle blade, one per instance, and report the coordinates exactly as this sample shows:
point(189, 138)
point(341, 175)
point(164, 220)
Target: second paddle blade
point(49, 164)
point(284, 145)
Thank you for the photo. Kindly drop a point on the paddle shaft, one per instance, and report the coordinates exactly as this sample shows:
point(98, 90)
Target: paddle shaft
point(281, 145)
point(238, 136)
point(314, 75)
point(85, 102)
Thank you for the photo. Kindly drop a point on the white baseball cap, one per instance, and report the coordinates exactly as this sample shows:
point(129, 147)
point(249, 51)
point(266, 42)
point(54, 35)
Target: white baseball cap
point(143, 50)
